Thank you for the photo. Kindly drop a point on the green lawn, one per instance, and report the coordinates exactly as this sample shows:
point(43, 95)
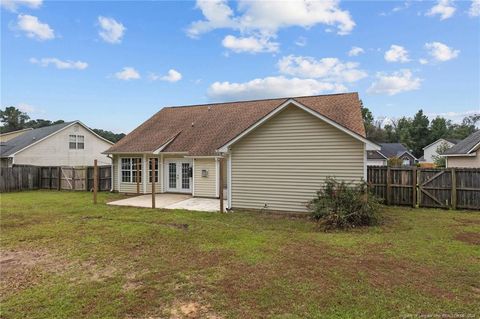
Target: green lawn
point(63, 257)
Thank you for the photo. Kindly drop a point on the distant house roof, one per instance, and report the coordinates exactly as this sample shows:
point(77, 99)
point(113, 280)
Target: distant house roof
point(16, 132)
point(450, 140)
point(394, 150)
point(466, 146)
point(375, 155)
point(30, 137)
point(203, 129)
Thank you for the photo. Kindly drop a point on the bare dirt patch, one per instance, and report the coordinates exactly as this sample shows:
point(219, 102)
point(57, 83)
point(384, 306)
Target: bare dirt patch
point(23, 268)
point(191, 309)
point(469, 238)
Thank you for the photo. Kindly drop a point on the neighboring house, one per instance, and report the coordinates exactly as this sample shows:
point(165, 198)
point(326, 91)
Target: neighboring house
point(66, 144)
point(390, 150)
point(4, 137)
point(465, 153)
point(430, 152)
point(278, 152)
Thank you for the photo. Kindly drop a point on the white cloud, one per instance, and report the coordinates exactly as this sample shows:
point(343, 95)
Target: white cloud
point(127, 73)
point(34, 28)
point(397, 53)
point(301, 41)
point(423, 61)
point(111, 30)
point(455, 116)
point(263, 19)
point(354, 51)
point(441, 52)
point(394, 83)
point(171, 76)
point(59, 64)
point(474, 10)
point(274, 86)
point(13, 5)
point(267, 17)
point(443, 8)
point(249, 44)
point(329, 69)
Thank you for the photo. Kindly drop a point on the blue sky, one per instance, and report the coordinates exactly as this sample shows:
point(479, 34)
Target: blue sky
point(114, 64)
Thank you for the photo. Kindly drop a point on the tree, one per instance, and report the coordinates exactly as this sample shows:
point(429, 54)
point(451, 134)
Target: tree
point(440, 160)
point(440, 128)
point(113, 137)
point(419, 133)
point(12, 119)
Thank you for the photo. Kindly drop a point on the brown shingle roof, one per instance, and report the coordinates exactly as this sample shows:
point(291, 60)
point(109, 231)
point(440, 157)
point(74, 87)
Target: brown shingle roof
point(201, 129)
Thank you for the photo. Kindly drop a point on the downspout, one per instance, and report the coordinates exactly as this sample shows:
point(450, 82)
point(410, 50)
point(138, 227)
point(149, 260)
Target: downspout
point(110, 156)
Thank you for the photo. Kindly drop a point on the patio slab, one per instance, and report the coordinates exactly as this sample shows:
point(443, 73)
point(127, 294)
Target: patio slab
point(172, 201)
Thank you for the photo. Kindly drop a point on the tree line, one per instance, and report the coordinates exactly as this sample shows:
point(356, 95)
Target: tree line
point(417, 132)
point(13, 119)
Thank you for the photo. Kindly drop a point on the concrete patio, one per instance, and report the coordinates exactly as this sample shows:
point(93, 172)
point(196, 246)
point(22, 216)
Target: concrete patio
point(172, 201)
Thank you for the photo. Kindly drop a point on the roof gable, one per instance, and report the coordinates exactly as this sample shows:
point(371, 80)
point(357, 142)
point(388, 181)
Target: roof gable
point(466, 146)
point(32, 137)
point(202, 129)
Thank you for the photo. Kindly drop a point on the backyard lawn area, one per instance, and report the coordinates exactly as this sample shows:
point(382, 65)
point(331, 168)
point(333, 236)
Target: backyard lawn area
point(63, 257)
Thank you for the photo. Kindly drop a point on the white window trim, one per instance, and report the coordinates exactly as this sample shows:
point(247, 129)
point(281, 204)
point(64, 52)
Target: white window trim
point(77, 136)
point(131, 170)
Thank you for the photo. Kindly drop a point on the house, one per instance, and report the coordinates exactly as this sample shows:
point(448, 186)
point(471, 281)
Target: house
point(390, 150)
point(4, 137)
point(277, 152)
point(430, 152)
point(465, 153)
point(65, 144)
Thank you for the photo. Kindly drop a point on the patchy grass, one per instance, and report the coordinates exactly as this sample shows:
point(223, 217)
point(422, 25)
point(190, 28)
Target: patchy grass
point(63, 257)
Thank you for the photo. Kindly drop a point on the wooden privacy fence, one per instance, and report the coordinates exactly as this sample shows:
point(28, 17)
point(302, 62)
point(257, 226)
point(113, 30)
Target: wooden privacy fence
point(19, 178)
point(457, 188)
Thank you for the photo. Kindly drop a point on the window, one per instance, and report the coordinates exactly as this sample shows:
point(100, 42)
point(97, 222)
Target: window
point(129, 170)
point(406, 161)
point(73, 142)
point(150, 169)
point(76, 142)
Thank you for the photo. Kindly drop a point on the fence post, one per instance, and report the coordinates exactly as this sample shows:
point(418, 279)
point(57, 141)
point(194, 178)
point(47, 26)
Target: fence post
point(50, 177)
point(59, 173)
point(152, 162)
point(414, 187)
point(95, 180)
point(454, 188)
point(73, 178)
point(389, 185)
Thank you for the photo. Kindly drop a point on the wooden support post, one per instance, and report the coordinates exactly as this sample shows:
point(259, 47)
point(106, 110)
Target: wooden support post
point(152, 162)
point(389, 185)
point(454, 188)
point(414, 187)
point(95, 181)
point(137, 162)
point(220, 184)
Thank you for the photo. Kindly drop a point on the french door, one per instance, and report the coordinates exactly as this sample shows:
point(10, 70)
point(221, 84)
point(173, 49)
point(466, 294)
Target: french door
point(178, 175)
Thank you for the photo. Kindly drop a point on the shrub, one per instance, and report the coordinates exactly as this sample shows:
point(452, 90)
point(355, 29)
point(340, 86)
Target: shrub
point(342, 205)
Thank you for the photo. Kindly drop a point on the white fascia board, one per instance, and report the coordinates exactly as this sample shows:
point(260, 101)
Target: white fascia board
point(474, 148)
point(459, 155)
point(370, 145)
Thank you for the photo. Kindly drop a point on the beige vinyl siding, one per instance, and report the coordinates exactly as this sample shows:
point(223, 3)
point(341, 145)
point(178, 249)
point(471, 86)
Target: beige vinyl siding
point(205, 186)
point(464, 161)
point(284, 162)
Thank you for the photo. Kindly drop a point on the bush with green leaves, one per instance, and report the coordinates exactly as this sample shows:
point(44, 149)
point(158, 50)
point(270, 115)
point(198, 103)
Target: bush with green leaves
point(341, 205)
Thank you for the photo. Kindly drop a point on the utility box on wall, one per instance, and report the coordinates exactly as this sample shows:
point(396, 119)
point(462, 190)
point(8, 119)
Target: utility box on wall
point(204, 172)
